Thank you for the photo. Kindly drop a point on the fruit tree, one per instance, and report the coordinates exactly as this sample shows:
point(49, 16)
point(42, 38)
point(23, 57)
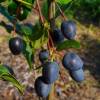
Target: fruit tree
point(49, 36)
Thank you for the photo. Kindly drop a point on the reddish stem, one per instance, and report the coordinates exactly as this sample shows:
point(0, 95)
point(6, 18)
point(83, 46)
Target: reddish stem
point(39, 10)
point(14, 32)
point(62, 13)
point(50, 40)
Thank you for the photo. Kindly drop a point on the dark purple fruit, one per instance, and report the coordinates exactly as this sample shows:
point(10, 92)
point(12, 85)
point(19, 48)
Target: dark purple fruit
point(43, 55)
point(50, 72)
point(68, 29)
point(16, 45)
point(72, 61)
point(57, 36)
point(77, 75)
point(42, 89)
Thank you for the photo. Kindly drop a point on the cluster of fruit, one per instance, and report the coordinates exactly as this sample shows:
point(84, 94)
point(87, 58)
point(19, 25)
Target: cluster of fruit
point(74, 64)
point(50, 71)
point(50, 68)
point(18, 10)
point(71, 61)
point(68, 30)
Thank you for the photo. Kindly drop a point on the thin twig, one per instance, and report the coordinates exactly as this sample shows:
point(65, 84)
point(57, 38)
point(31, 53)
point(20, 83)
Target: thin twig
point(62, 13)
point(40, 14)
point(26, 3)
point(51, 40)
point(51, 8)
point(14, 27)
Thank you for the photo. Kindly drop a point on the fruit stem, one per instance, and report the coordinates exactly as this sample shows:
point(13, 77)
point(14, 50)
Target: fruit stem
point(50, 38)
point(51, 95)
point(14, 30)
point(26, 3)
point(51, 15)
point(62, 13)
point(40, 13)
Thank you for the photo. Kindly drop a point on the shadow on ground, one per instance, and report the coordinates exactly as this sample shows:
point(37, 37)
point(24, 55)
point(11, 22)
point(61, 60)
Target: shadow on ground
point(91, 55)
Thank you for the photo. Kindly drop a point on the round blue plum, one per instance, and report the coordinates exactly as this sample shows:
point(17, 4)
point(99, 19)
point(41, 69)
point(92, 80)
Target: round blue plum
point(16, 45)
point(43, 55)
point(72, 61)
point(42, 89)
point(57, 36)
point(50, 72)
point(68, 29)
point(77, 75)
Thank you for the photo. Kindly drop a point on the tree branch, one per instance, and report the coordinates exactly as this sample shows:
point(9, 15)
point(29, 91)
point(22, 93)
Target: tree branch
point(62, 13)
point(39, 10)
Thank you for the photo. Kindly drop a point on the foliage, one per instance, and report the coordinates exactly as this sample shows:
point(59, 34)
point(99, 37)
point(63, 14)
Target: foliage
point(4, 74)
point(83, 9)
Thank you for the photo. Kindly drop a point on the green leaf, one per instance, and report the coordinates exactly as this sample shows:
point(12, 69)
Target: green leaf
point(26, 30)
point(28, 52)
point(8, 77)
point(5, 13)
point(65, 8)
point(68, 44)
point(4, 74)
point(37, 39)
point(3, 70)
point(27, 3)
point(37, 32)
point(64, 1)
point(45, 9)
point(42, 40)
